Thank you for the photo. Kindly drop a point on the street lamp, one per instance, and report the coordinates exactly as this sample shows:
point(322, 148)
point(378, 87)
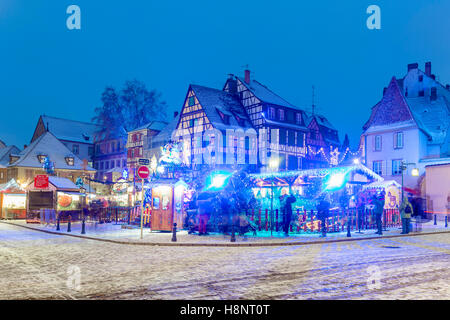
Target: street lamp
point(414, 172)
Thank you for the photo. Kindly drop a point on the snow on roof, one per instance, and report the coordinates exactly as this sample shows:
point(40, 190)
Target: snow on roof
point(152, 125)
point(70, 130)
point(62, 183)
point(214, 100)
point(48, 145)
point(264, 94)
point(433, 117)
point(4, 155)
point(381, 184)
point(165, 135)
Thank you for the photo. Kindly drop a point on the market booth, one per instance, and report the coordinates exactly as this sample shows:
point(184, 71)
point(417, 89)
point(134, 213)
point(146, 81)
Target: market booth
point(49, 195)
point(168, 196)
point(13, 200)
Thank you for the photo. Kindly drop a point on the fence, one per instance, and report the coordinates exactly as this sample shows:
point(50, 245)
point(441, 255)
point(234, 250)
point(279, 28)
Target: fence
point(307, 220)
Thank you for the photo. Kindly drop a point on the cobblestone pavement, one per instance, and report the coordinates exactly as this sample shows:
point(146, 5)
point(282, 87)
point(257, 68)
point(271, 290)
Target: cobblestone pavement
point(35, 265)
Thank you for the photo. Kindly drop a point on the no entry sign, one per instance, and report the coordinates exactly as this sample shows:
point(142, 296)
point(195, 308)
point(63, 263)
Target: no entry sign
point(143, 172)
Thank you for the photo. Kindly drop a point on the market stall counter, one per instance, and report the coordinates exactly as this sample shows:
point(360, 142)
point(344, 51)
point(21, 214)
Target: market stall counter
point(12, 200)
point(60, 196)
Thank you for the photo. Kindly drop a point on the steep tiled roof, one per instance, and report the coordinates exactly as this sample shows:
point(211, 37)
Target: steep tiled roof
point(70, 130)
point(4, 155)
point(152, 125)
point(48, 145)
point(266, 95)
point(213, 100)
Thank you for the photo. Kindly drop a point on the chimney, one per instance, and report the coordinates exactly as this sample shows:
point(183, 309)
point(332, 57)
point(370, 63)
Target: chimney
point(384, 91)
point(247, 76)
point(412, 66)
point(433, 95)
point(433, 77)
point(175, 114)
point(428, 69)
point(24, 146)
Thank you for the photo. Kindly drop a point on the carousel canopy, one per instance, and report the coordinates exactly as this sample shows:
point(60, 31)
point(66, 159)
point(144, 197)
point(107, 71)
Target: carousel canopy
point(293, 177)
point(382, 184)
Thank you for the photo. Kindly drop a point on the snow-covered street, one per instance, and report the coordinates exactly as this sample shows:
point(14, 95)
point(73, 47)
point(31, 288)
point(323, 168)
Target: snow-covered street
point(36, 265)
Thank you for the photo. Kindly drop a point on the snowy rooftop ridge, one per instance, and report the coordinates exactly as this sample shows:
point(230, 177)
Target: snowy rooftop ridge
point(48, 145)
point(70, 130)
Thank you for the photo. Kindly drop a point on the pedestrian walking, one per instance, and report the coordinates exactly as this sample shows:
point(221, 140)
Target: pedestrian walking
point(323, 211)
point(378, 202)
point(406, 210)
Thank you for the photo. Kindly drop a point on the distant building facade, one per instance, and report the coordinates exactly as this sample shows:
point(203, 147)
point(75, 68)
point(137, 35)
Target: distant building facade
point(76, 135)
point(24, 166)
point(411, 124)
point(5, 153)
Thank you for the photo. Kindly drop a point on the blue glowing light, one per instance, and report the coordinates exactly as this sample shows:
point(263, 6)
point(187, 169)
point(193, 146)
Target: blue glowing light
point(217, 180)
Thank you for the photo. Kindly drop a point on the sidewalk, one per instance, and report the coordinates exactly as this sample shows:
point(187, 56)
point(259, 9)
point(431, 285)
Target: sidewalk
point(115, 233)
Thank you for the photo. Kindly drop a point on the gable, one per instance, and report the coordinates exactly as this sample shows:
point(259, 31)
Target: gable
point(392, 108)
point(39, 130)
point(193, 118)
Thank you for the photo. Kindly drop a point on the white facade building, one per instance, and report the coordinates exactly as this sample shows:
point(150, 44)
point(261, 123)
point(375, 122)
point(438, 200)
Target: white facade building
point(411, 124)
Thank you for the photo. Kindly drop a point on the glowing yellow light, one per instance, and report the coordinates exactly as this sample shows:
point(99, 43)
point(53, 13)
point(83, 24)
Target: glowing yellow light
point(415, 172)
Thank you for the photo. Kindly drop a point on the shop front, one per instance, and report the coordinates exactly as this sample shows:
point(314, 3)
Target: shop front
point(168, 199)
point(47, 200)
point(13, 200)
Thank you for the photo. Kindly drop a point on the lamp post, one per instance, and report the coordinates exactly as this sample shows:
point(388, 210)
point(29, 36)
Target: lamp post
point(273, 165)
point(414, 172)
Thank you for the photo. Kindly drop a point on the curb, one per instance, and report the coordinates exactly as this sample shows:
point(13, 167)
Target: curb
point(272, 244)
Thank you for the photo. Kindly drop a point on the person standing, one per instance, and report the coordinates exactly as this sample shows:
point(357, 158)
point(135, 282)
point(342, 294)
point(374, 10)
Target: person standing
point(323, 211)
point(378, 201)
point(288, 201)
point(204, 209)
point(406, 211)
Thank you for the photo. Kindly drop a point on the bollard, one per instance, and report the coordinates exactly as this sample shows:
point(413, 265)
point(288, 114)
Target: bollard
point(69, 229)
point(233, 235)
point(83, 227)
point(446, 221)
point(259, 220)
point(57, 224)
point(435, 219)
point(348, 229)
point(174, 233)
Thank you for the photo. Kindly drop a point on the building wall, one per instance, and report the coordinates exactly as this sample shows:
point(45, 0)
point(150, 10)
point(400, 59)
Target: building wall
point(411, 152)
point(3, 175)
point(110, 155)
point(438, 189)
point(23, 175)
point(85, 150)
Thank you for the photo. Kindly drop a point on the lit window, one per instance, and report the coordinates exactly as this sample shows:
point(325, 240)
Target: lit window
point(281, 114)
point(396, 167)
point(298, 118)
point(378, 167)
point(70, 161)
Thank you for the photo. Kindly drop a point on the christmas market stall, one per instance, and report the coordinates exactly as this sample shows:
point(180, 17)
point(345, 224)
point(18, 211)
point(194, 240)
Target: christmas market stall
point(167, 204)
point(12, 200)
point(48, 196)
point(340, 186)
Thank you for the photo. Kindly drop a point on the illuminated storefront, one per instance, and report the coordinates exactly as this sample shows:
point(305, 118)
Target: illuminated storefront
point(13, 200)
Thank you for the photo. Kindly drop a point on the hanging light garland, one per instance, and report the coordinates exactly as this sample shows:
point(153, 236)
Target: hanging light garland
point(334, 154)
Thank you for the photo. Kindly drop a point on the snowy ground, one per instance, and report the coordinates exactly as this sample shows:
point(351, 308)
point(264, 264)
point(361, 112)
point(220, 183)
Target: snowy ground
point(112, 231)
point(36, 265)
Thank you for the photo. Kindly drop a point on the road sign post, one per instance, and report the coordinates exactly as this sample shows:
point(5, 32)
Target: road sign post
point(143, 173)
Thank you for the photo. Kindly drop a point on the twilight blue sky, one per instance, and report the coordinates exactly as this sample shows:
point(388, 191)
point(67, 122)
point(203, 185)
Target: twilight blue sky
point(289, 45)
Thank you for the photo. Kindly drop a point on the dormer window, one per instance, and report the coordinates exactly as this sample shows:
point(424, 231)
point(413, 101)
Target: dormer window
point(421, 78)
point(421, 93)
point(70, 161)
point(298, 118)
point(41, 158)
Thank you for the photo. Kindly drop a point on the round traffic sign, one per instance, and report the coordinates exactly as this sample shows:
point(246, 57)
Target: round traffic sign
point(143, 172)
